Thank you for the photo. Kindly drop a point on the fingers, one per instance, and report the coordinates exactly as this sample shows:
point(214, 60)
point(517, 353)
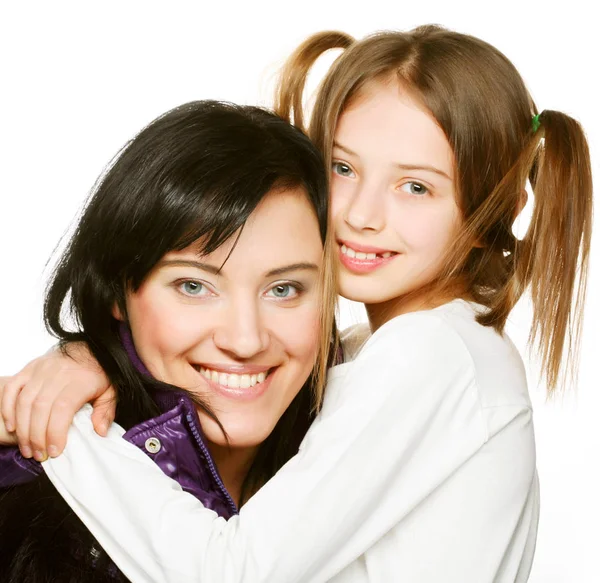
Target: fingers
point(11, 389)
point(104, 412)
point(52, 431)
point(44, 415)
point(40, 402)
point(6, 437)
point(33, 409)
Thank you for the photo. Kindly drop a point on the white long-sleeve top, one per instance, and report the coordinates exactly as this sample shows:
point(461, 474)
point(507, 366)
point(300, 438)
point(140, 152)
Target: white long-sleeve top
point(419, 468)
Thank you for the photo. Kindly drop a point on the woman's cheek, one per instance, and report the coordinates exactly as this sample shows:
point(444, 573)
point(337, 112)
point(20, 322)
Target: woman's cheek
point(159, 323)
point(303, 334)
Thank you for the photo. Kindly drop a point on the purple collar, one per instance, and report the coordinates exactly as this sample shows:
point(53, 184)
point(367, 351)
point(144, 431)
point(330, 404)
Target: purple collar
point(127, 340)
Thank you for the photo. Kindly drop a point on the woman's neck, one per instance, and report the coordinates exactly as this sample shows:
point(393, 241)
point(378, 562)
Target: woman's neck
point(233, 465)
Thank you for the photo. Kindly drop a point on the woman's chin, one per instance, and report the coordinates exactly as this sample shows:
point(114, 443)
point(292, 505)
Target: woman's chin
point(239, 435)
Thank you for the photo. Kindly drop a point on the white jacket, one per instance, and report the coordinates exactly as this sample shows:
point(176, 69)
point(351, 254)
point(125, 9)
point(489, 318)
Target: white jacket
point(420, 468)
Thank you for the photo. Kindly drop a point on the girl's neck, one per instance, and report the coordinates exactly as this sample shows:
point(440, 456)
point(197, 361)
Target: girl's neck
point(425, 299)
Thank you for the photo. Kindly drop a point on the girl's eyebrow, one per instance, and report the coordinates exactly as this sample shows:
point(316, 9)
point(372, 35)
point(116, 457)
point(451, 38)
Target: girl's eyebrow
point(217, 270)
point(344, 149)
point(425, 167)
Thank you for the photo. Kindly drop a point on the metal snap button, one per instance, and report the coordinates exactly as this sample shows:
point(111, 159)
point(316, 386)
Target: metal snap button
point(152, 445)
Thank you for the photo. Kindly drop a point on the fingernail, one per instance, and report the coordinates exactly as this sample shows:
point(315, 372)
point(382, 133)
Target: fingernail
point(52, 450)
point(40, 456)
point(26, 451)
point(10, 428)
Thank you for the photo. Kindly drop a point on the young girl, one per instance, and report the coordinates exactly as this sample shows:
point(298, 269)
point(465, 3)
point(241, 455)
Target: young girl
point(421, 464)
point(207, 187)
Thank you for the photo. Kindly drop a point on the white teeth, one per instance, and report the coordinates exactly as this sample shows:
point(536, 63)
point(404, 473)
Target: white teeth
point(363, 256)
point(235, 381)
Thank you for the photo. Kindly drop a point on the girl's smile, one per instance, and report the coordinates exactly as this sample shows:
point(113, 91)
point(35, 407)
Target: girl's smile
point(363, 259)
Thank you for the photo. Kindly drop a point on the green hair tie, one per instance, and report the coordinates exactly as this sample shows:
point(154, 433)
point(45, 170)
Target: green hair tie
point(536, 123)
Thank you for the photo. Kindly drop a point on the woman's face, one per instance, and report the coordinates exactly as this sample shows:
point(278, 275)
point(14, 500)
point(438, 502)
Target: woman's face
point(241, 329)
point(393, 199)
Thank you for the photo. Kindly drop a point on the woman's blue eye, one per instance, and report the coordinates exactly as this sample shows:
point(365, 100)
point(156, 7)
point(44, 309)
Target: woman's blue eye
point(343, 170)
point(193, 288)
point(415, 188)
point(284, 290)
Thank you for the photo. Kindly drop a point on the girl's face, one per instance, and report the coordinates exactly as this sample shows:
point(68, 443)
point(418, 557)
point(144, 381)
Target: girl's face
point(393, 198)
point(239, 330)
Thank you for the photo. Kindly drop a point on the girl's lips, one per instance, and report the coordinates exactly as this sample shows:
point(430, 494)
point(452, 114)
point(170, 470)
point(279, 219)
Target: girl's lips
point(363, 248)
point(362, 266)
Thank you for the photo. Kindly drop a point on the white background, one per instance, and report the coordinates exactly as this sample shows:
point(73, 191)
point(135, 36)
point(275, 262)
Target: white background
point(79, 79)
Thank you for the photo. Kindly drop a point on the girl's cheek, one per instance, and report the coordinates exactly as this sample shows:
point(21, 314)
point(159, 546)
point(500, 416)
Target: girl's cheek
point(339, 196)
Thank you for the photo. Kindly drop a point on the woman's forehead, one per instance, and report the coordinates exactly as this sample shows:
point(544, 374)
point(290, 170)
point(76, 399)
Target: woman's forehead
point(282, 230)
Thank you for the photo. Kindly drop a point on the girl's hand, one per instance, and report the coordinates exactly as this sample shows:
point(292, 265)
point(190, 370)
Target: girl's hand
point(6, 438)
point(40, 402)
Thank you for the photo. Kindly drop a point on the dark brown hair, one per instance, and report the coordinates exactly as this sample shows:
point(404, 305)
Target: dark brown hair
point(197, 172)
point(481, 103)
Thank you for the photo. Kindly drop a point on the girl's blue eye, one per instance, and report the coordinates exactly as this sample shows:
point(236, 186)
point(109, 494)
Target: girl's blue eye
point(343, 170)
point(193, 288)
point(415, 188)
point(284, 291)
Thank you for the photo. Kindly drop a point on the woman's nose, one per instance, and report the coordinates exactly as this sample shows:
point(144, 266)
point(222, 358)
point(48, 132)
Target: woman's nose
point(242, 332)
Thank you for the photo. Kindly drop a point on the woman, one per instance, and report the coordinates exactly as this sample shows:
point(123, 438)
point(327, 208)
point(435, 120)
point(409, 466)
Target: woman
point(421, 464)
point(209, 332)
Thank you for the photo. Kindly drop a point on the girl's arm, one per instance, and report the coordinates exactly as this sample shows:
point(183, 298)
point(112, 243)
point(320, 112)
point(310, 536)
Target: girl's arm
point(398, 423)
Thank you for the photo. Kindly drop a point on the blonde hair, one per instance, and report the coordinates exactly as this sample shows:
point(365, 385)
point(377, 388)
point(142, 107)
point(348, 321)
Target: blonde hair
point(481, 103)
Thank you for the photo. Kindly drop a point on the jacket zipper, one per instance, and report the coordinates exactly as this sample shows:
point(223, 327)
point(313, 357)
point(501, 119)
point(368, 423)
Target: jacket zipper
point(211, 466)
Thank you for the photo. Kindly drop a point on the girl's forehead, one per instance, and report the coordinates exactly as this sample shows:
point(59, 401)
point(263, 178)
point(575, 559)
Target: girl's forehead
point(386, 122)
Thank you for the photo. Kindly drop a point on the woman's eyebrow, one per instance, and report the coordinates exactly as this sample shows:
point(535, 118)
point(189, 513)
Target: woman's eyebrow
point(217, 270)
point(190, 263)
point(292, 267)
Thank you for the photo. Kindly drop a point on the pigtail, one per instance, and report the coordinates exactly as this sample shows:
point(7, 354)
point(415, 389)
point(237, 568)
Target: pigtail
point(292, 80)
point(555, 255)
point(551, 260)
